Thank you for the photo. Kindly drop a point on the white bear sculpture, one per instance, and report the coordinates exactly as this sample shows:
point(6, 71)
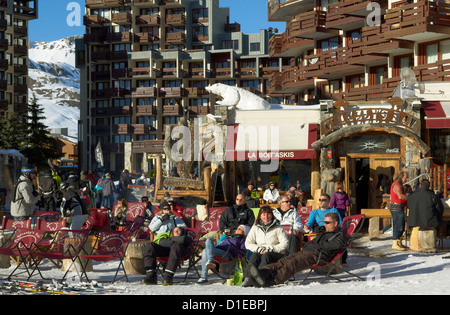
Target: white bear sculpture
point(235, 97)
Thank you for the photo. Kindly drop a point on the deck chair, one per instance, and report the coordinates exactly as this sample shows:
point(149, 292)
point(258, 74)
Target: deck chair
point(43, 213)
point(101, 219)
point(189, 257)
point(109, 245)
point(9, 224)
point(242, 257)
point(50, 226)
point(23, 244)
point(67, 244)
point(350, 227)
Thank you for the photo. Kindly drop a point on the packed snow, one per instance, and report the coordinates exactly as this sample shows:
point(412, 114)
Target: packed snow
point(386, 272)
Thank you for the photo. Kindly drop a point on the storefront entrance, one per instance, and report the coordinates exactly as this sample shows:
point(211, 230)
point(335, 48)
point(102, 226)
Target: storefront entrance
point(368, 178)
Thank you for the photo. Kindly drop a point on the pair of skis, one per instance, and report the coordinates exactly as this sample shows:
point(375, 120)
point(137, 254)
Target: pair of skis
point(54, 288)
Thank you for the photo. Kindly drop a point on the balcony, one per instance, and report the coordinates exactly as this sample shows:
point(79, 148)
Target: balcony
point(109, 55)
point(283, 10)
point(100, 76)
point(169, 72)
point(275, 83)
point(119, 37)
point(373, 41)
point(423, 20)
point(172, 92)
point(122, 18)
point(4, 44)
point(196, 92)
point(26, 9)
point(4, 64)
point(148, 146)
point(145, 92)
point(143, 72)
point(120, 73)
point(310, 25)
point(369, 93)
point(285, 45)
point(20, 88)
point(198, 110)
point(94, 38)
point(172, 110)
point(108, 93)
point(151, 19)
point(145, 110)
point(20, 69)
point(176, 38)
point(437, 71)
point(146, 38)
point(293, 80)
point(110, 111)
point(100, 130)
point(145, 2)
point(20, 31)
point(122, 129)
point(94, 20)
point(195, 73)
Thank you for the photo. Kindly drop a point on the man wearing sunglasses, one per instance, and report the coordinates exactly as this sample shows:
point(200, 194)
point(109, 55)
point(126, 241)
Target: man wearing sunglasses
point(286, 214)
point(165, 220)
point(326, 245)
point(317, 216)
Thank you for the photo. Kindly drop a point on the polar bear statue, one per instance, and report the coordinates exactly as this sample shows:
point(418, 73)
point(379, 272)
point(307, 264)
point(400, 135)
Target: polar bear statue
point(235, 97)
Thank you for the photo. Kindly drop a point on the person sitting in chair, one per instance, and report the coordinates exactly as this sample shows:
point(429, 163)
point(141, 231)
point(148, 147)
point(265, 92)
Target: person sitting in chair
point(175, 247)
point(324, 247)
point(165, 220)
point(230, 248)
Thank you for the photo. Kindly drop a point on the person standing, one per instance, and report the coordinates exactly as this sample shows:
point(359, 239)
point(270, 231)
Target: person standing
point(425, 207)
point(340, 200)
point(398, 202)
point(108, 191)
point(25, 196)
point(47, 191)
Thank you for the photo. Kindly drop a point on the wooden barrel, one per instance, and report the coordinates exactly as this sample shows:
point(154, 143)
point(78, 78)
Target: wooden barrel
point(76, 243)
point(134, 258)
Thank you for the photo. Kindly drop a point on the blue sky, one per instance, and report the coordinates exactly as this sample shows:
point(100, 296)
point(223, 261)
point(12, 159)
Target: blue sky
point(52, 22)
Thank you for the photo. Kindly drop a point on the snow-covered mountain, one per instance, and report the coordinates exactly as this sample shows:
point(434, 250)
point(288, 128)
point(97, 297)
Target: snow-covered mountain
point(56, 82)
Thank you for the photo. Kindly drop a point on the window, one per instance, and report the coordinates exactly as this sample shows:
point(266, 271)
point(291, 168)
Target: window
point(120, 102)
point(148, 121)
point(230, 44)
point(145, 101)
point(121, 120)
point(330, 43)
point(199, 14)
point(255, 46)
point(377, 75)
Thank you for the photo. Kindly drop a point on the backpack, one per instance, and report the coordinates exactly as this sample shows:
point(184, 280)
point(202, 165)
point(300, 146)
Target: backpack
point(14, 197)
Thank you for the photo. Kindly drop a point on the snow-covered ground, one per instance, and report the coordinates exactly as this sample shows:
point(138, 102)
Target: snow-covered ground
point(56, 83)
point(386, 272)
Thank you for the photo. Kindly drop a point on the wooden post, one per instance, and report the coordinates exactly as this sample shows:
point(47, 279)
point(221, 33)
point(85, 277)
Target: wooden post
point(208, 185)
point(158, 179)
point(445, 181)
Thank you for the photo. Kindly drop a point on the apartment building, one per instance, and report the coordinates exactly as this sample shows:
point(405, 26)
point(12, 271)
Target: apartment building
point(14, 18)
point(145, 64)
point(354, 50)
point(364, 54)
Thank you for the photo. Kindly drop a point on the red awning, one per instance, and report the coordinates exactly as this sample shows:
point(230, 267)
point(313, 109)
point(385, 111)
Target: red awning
point(294, 142)
point(437, 114)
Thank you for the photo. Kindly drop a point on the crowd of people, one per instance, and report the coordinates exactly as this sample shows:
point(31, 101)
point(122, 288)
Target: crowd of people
point(275, 251)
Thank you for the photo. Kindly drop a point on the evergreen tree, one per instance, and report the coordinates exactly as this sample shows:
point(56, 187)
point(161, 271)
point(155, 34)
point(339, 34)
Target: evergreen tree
point(13, 133)
point(39, 146)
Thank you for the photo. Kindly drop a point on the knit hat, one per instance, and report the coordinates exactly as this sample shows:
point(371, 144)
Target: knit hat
point(246, 228)
point(163, 204)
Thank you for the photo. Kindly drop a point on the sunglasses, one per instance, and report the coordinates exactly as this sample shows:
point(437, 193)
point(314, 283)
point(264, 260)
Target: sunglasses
point(286, 201)
point(323, 200)
point(328, 222)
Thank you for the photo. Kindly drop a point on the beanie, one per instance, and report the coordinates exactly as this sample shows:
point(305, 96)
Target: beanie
point(246, 228)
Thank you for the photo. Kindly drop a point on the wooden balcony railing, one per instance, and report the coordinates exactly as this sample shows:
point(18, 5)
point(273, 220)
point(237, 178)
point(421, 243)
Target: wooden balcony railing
point(111, 111)
point(172, 110)
point(419, 17)
point(369, 93)
point(122, 18)
point(151, 19)
point(145, 110)
point(176, 19)
point(145, 92)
